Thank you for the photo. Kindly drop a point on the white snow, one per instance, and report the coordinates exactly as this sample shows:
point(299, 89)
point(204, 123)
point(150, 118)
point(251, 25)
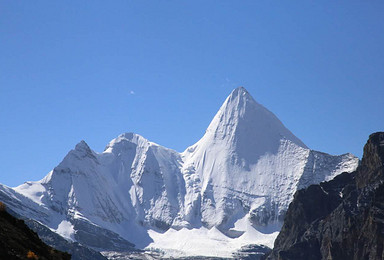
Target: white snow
point(66, 230)
point(32, 190)
point(230, 189)
point(208, 242)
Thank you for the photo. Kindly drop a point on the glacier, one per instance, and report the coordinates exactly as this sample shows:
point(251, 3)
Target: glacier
point(232, 188)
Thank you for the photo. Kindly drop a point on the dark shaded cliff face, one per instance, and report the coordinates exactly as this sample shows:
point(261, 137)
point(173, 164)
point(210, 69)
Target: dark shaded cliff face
point(17, 241)
point(339, 219)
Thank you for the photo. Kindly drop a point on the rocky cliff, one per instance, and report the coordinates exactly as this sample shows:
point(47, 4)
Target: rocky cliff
point(339, 219)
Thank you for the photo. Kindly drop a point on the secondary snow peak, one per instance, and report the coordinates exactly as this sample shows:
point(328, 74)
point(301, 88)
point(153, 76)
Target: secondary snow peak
point(81, 146)
point(126, 140)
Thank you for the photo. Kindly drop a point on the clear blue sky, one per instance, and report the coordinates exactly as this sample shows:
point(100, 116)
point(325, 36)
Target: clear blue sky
point(73, 70)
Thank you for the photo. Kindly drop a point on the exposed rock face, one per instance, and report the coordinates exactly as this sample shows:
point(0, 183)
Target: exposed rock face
point(17, 241)
point(339, 219)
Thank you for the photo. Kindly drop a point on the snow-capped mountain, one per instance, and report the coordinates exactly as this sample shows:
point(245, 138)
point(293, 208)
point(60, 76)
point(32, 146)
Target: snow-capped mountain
point(247, 159)
point(230, 189)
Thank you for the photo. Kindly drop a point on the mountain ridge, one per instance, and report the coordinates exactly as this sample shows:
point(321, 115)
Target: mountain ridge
point(234, 184)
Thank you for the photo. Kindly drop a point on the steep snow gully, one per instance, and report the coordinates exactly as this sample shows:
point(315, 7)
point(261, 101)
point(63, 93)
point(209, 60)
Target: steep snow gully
point(230, 189)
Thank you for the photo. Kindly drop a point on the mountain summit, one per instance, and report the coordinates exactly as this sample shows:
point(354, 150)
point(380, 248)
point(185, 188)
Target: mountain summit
point(247, 128)
point(230, 189)
point(248, 157)
point(241, 119)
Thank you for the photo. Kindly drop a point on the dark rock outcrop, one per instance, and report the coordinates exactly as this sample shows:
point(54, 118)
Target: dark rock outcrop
point(17, 241)
point(252, 252)
point(339, 219)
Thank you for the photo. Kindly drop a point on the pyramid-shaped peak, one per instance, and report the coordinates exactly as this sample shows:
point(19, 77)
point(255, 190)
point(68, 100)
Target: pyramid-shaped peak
point(239, 104)
point(82, 146)
point(241, 117)
point(239, 99)
point(81, 151)
point(239, 91)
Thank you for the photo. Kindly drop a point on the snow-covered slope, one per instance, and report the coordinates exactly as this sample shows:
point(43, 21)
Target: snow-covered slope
point(248, 162)
point(132, 185)
point(230, 189)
